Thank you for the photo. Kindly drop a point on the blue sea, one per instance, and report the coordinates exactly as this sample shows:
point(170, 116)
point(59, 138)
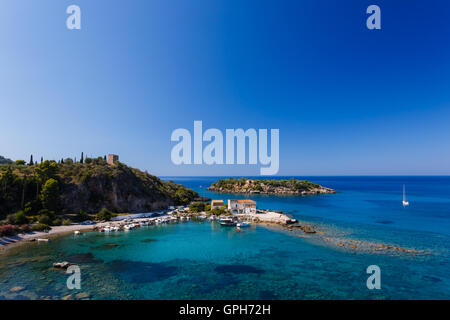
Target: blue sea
point(202, 260)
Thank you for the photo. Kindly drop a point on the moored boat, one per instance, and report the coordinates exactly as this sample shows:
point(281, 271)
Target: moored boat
point(244, 224)
point(227, 222)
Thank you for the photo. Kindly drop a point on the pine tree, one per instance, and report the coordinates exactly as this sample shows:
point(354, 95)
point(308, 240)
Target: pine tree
point(31, 161)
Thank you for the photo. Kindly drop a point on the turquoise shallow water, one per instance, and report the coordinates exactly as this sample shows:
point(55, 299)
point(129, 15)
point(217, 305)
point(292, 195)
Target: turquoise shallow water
point(202, 260)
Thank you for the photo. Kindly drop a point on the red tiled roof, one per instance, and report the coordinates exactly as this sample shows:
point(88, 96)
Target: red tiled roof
point(246, 201)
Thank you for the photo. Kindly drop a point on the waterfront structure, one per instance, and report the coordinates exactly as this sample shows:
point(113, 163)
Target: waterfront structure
point(216, 204)
point(246, 206)
point(112, 159)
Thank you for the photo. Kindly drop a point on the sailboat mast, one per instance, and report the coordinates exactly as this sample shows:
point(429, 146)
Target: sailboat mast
point(404, 198)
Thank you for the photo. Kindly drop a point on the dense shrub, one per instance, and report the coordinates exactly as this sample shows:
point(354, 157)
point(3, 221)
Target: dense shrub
point(40, 227)
point(7, 230)
point(20, 218)
point(50, 194)
point(44, 219)
point(104, 215)
point(67, 222)
point(11, 219)
point(197, 207)
point(25, 228)
point(219, 211)
point(82, 216)
point(56, 222)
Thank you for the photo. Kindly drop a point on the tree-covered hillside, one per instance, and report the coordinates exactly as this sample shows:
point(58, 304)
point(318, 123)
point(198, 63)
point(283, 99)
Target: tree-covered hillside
point(66, 187)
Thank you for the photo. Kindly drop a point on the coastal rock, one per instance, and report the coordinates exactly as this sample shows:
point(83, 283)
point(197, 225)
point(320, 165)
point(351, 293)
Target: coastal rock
point(304, 227)
point(307, 229)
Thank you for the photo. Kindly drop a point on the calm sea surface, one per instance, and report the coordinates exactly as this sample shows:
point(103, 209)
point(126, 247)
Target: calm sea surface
point(202, 260)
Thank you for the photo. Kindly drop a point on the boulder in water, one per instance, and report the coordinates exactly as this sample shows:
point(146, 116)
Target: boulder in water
point(62, 265)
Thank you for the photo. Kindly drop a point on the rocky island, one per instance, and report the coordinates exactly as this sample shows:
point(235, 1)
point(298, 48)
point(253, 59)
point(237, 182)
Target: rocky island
point(268, 186)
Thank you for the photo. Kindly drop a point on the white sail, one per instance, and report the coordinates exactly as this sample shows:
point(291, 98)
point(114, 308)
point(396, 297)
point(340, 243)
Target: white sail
point(405, 203)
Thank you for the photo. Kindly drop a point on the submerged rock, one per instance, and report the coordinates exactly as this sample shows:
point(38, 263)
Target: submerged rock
point(148, 240)
point(61, 265)
point(142, 272)
point(307, 229)
point(82, 258)
point(82, 295)
point(106, 246)
point(238, 268)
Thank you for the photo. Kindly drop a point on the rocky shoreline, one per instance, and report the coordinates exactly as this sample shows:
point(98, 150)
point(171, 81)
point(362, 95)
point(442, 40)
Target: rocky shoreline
point(307, 230)
point(275, 187)
point(279, 221)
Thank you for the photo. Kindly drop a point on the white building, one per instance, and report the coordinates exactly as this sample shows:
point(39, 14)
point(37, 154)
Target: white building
point(242, 206)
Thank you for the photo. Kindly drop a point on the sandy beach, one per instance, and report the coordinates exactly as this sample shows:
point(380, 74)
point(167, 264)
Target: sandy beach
point(8, 242)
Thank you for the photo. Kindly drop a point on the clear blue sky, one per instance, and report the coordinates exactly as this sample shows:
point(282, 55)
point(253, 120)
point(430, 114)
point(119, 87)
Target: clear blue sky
point(347, 100)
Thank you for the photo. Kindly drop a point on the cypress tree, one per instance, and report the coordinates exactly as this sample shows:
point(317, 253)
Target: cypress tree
point(31, 161)
point(82, 158)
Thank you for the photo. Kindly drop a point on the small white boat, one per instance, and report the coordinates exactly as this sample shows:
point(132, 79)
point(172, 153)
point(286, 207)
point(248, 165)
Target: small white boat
point(173, 219)
point(405, 202)
point(42, 240)
point(227, 222)
point(76, 232)
point(244, 224)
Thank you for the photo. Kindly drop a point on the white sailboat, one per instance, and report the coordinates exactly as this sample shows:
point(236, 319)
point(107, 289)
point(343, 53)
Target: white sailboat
point(405, 203)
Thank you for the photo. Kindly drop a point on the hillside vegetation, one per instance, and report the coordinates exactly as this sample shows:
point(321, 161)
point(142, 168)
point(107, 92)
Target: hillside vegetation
point(52, 189)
